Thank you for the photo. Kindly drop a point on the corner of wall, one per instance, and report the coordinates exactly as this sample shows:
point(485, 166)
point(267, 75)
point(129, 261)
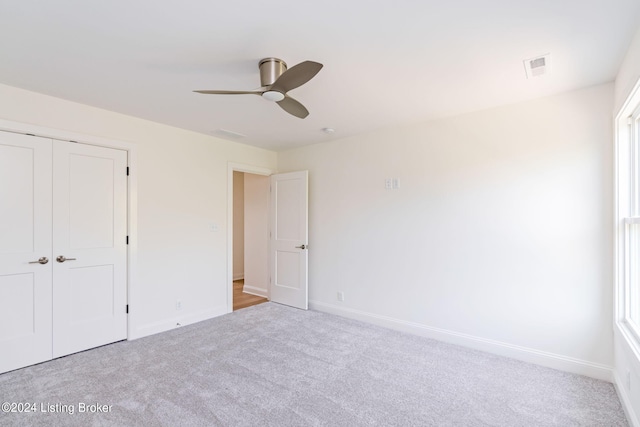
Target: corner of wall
point(176, 322)
point(629, 72)
point(525, 354)
point(625, 400)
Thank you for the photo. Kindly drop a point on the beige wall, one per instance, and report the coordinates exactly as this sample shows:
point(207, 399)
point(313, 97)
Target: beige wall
point(499, 236)
point(256, 238)
point(182, 191)
point(238, 225)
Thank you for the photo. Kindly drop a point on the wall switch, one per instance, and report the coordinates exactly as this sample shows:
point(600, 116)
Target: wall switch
point(340, 296)
point(178, 305)
point(391, 183)
point(213, 227)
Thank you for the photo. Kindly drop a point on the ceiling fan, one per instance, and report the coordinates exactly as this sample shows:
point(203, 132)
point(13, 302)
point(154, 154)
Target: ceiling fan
point(276, 80)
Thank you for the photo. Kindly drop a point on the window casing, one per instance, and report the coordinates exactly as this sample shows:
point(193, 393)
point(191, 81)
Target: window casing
point(628, 220)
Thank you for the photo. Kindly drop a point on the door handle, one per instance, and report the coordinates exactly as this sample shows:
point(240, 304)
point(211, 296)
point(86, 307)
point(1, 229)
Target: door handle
point(62, 258)
point(42, 260)
point(302, 247)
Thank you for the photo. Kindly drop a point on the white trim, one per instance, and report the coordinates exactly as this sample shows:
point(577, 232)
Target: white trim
point(179, 321)
point(625, 109)
point(256, 170)
point(543, 358)
point(132, 202)
point(623, 152)
point(629, 341)
point(64, 135)
point(629, 337)
point(618, 232)
point(625, 399)
point(238, 167)
point(261, 292)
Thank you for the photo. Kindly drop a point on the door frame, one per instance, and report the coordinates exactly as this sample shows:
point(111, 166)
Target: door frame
point(236, 167)
point(132, 194)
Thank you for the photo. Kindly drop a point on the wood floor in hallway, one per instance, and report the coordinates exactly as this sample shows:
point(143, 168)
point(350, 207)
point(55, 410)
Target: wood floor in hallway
point(243, 299)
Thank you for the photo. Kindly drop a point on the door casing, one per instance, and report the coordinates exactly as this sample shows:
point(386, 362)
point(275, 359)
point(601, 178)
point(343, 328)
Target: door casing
point(237, 167)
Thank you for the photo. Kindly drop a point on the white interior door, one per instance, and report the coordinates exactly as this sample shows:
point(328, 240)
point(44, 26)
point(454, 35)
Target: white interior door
point(288, 245)
point(25, 238)
point(89, 247)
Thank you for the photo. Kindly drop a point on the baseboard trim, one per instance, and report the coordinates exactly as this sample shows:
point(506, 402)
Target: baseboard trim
point(176, 322)
point(239, 276)
point(625, 399)
point(261, 292)
point(538, 357)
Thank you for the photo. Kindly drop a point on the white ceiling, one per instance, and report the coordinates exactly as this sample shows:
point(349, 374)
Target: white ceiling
point(385, 62)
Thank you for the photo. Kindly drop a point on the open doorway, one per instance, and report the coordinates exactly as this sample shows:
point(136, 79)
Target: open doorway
point(250, 239)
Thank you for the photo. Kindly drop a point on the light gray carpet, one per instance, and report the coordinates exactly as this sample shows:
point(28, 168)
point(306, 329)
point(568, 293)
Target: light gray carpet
point(271, 365)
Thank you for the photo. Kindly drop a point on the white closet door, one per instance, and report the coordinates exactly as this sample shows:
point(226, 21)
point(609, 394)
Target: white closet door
point(89, 247)
point(25, 238)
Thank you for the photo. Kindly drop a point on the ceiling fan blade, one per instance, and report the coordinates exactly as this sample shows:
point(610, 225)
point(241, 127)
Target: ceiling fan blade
point(293, 107)
point(230, 92)
point(296, 76)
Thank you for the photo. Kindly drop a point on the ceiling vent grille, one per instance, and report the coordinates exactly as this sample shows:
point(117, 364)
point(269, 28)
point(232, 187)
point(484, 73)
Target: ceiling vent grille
point(224, 133)
point(538, 66)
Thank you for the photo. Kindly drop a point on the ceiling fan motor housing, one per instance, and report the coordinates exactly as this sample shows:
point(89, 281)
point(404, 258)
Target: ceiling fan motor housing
point(270, 70)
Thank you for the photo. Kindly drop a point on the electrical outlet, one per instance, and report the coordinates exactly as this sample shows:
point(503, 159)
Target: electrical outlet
point(178, 305)
point(340, 296)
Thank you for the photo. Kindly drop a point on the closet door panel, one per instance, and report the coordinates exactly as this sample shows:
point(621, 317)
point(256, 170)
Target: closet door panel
point(89, 235)
point(25, 250)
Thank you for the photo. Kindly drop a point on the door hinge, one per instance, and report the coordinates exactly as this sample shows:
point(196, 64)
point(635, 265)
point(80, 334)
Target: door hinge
point(127, 308)
point(127, 240)
point(127, 170)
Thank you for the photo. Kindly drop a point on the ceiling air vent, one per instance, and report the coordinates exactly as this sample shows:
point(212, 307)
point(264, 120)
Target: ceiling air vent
point(224, 133)
point(538, 66)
